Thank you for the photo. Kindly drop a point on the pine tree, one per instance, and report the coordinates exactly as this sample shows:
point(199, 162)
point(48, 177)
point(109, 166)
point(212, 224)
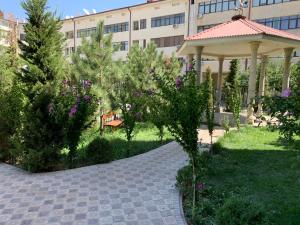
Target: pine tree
point(42, 47)
point(93, 61)
point(229, 83)
point(210, 103)
point(41, 135)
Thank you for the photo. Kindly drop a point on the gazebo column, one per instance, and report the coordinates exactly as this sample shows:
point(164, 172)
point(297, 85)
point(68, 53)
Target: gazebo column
point(287, 67)
point(252, 81)
point(199, 50)
point(190, 61)
point(262, 79)
point(219, 83)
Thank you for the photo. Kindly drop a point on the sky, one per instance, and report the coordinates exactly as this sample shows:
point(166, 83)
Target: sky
point(68, 7)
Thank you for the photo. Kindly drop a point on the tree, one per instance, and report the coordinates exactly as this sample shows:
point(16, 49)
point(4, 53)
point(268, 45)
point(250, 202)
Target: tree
point(93, 61)
point(229, 83)
point(185, 105)
point(41, 136)
point(210, 114)
point(235, 102)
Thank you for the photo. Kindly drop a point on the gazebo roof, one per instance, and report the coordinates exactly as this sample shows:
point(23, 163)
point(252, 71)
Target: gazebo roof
point(230, 39)
point(241, 27)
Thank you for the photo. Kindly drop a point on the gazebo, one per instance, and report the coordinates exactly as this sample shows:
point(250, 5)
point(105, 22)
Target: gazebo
point(241, 38)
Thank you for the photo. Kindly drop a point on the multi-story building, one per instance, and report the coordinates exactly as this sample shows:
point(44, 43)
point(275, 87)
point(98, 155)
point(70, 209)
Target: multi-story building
point(167, 22)
point(5, 29)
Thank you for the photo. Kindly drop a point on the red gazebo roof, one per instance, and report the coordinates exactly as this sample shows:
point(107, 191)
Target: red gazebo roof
point(239, 28)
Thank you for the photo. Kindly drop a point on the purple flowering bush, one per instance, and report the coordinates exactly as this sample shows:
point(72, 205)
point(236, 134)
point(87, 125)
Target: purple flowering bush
point(185, 104)
point(286, 108)
point(75, 109)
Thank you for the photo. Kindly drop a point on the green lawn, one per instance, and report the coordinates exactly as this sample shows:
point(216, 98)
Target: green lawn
point(254, 164)
point(145, 139)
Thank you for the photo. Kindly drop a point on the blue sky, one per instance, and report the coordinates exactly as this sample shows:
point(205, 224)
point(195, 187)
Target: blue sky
point(68, 7)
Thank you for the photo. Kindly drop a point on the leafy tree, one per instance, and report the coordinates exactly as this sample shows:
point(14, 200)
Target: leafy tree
point(74, 108)
point(209, 90)
point(185, 105)
point(42, 137)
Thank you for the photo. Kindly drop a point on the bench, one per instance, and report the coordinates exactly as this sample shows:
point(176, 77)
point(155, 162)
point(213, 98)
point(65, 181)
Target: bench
point(111, 120)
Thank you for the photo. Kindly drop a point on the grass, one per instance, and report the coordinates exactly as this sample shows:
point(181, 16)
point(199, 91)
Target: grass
point(254, 164)
point(145, 139)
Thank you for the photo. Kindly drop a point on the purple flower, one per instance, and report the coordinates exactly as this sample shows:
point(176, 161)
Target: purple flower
point(78, 99)
point(87, 84)
point(286, 93)
point(73, 111)
point(191, 67)
point(200, 186)
point(51, 109)
point(178, 83)
point(87, 98)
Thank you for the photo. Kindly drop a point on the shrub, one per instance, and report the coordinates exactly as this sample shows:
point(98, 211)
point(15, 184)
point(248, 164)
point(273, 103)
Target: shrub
point(239, 211)
point(100, 151)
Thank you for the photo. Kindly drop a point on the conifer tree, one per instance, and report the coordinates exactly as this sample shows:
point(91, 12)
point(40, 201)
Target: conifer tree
point(229, 83)
point(42, 136)
point(42, 47)
point(210, 103)
point(93, 61)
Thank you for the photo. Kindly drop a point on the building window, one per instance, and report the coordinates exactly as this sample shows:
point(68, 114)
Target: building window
point(168, 41)
point(121, 46)
point(135, 25)
point(69, 51)
point(144, 43)
point(282, 23)
point(82, 33)
point(135, 42)
point(115, 28)
point(203, 28)
point(168, 20)
point(143, 24)
point(218, 6)
point(69, 35)
point(22, 37)
point(268, 2)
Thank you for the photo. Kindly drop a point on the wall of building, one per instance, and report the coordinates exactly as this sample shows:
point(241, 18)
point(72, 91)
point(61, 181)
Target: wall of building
point(193, 21)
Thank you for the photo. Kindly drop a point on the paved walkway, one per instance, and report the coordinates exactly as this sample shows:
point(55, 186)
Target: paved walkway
point(134, 191)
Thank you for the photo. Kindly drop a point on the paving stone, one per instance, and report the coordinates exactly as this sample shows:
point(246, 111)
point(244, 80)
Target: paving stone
point(135, 191)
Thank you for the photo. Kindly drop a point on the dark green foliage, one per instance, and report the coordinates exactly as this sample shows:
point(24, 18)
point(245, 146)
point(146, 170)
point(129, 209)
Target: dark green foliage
point(11, 101)
point(41, 136)
point(287, 110)
point(210, 112)
point(42, 47)
point(239, 211)
point(185, 105)
point(74, 108)
point(100, 151)
point(230, 80)
point(93, 61)
point(260, 169)
point(235, 103)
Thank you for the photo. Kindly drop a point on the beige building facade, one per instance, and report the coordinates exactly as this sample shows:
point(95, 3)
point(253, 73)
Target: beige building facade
point(168, 22)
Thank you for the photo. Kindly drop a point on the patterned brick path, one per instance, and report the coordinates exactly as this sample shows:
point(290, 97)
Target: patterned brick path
point(134, 191)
